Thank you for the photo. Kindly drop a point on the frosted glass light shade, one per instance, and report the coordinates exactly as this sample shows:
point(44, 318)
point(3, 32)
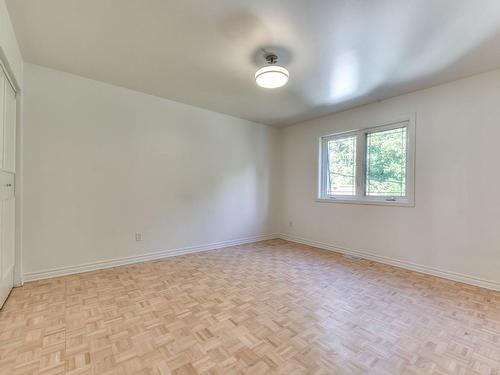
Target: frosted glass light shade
point(271, 76)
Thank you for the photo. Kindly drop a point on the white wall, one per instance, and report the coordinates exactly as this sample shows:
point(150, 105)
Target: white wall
point(103, 162)
point(9, 49)
point(455, 225)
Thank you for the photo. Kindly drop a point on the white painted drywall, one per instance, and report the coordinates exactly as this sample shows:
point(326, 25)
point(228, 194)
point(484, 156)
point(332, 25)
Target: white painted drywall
point(102, 162)
point(455, 225)
point(9, 48)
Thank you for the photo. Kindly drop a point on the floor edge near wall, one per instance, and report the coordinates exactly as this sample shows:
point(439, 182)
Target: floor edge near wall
point(70, 270)
point(454, 276)
point(64, 271)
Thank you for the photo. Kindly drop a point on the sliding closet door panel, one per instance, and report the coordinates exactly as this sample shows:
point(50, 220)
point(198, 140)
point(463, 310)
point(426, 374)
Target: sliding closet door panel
point(7, 234)
point(3, 83)
point(7, 177)
point(6, 186)
point(9, 135)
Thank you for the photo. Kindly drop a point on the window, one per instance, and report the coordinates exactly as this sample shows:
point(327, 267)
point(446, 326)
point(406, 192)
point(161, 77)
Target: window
point(373, 165)
point(341, 174)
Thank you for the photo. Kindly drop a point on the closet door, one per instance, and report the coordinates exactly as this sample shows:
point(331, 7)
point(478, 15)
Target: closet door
point(7, 234)
point(7, 177)
point(9, 129)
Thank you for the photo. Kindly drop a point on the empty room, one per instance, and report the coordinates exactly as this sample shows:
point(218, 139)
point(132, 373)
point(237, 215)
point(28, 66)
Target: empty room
point(249, 187)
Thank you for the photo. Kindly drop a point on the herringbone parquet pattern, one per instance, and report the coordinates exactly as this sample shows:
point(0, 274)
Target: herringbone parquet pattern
point(269, 307)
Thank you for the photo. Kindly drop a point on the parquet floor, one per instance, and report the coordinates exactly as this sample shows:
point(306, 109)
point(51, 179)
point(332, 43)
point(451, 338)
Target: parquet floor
point(265, 308)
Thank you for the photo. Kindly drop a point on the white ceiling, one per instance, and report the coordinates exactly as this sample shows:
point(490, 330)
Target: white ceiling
point(339, 53)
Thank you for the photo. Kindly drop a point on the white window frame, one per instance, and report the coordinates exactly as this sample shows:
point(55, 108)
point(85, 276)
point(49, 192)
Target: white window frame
point(361, 156)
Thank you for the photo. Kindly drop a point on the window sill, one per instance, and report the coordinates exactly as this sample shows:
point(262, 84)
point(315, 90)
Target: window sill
point(373, 202)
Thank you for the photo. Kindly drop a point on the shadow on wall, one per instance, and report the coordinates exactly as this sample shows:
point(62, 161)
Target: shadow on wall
point(230, 183)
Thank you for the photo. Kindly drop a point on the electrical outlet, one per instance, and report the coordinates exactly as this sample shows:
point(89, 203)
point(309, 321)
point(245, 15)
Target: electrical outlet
point(290, 224)
point(138, 236)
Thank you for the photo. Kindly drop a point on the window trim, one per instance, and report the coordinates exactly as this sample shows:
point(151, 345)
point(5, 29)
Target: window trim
point(361, 156)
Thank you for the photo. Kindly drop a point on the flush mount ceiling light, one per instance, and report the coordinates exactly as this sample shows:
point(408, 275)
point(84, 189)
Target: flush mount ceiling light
point(271, 76)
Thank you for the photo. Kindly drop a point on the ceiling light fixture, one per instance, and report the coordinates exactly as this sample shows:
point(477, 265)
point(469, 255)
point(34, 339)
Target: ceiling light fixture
point(271, 76)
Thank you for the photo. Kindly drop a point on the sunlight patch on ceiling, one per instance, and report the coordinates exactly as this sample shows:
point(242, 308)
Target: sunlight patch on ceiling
point(345, 77)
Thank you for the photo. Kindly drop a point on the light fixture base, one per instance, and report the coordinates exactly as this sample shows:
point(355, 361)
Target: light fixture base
point(271, 58)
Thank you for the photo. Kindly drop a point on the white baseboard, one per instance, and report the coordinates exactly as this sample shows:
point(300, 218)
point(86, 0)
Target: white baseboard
point(467, 279)
point(62, 271)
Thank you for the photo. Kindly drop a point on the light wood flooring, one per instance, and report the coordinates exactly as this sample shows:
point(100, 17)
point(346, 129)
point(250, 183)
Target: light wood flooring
point(264, 308)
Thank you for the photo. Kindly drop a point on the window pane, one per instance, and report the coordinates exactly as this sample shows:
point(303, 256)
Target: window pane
point(341, 176)
point(386, 163)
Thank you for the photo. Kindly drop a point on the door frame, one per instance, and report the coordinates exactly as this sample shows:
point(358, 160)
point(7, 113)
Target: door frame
point(18, 182)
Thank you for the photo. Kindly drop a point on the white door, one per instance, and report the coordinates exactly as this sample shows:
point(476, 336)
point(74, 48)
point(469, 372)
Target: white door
point(7, 177)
